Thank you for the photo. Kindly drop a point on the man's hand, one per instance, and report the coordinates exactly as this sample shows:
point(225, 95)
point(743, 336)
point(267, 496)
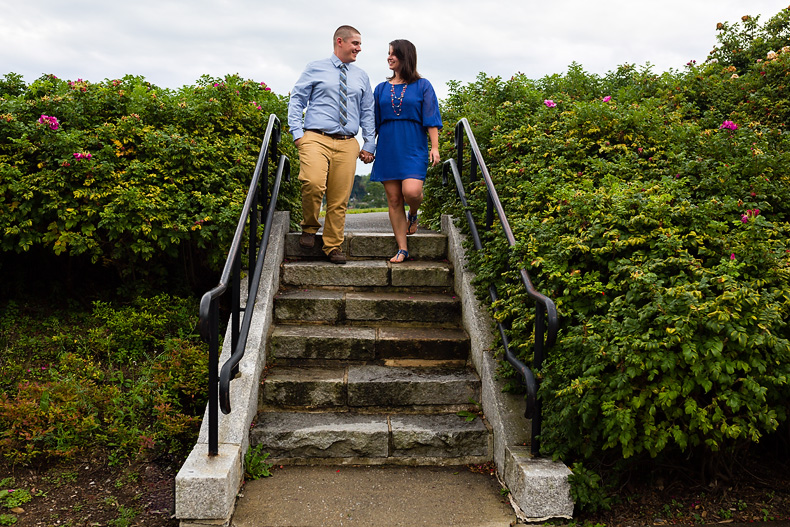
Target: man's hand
point(366, 156)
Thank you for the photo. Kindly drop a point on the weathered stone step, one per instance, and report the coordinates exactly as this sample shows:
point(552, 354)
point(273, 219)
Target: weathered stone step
point(422, 246)
point(359, 343)
point(308, 438)
point(368, 273)
point(369, 386)
point(333, 307)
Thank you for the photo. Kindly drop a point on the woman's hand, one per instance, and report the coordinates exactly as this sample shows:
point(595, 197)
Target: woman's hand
point(434, 157)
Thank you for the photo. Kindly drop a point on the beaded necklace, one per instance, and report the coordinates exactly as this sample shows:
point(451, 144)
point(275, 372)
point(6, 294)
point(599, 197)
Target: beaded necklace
point(397, 108)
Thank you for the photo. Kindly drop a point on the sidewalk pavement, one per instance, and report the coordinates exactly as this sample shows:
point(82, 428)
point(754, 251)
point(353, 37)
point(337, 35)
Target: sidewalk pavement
point(378, 496)
point(368, 222)
point(392, 496)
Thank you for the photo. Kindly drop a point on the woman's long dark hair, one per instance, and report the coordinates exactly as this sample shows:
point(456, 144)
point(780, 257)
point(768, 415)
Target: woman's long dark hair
point(407, 56)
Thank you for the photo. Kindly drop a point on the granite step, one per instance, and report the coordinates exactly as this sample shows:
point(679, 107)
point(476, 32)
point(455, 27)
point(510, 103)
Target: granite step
point(373, 245)
point(335, 307)
point(359, 343)
point(365, 386)
point(350, 438)
point(368, 274)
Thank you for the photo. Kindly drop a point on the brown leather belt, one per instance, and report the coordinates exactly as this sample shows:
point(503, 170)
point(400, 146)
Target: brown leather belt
point(333, 136)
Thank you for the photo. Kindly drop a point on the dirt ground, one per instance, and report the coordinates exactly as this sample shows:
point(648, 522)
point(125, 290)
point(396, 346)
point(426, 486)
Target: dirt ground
point(88, 493)
point(756, 492)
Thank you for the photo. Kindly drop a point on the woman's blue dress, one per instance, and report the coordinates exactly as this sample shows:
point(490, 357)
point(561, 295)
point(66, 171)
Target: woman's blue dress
point(402, 146)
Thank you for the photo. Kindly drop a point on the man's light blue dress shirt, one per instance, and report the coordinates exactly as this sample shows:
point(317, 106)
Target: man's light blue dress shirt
point(318, 92)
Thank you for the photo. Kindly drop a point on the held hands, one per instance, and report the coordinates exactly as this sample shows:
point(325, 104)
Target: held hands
point(434, 157)
point(366, 157)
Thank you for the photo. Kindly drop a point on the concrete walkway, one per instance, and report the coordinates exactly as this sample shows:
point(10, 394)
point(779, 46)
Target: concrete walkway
point(312, 496)
point(368, 222)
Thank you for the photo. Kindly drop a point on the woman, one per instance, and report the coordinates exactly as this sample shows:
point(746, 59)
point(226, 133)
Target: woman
point(406, 110)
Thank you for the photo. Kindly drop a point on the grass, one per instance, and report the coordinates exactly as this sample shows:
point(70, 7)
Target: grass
point(358, 211)
point(361, 211)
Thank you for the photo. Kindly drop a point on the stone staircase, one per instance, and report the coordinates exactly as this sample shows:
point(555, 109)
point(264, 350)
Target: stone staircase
point(369, 361)
point(371, 371)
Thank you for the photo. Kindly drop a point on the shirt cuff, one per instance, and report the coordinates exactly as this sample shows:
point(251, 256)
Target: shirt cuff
point(369, 146)
point(297, 134)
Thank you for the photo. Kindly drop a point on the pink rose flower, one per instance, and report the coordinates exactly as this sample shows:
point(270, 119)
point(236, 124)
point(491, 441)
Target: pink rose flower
point(49, 120)
point(728, 125)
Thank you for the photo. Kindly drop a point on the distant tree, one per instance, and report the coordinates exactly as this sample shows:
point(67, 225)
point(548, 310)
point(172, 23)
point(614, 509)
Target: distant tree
point(366, 194)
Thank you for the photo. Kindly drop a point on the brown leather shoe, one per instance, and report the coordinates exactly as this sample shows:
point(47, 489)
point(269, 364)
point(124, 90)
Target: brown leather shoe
point(336, 256)
point(307, 240)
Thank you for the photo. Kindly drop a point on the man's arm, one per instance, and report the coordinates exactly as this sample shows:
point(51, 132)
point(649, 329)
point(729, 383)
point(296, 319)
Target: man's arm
point(367, 120)
point(300, 95)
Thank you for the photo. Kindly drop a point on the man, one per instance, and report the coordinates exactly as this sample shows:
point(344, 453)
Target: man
point(336, 99)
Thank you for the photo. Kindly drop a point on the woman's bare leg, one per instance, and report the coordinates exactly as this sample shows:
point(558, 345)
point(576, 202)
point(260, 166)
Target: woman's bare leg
point(412, 195)
point(394, 191)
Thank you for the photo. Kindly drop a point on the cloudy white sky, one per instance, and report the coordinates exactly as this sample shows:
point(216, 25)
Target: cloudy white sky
point(173, 43)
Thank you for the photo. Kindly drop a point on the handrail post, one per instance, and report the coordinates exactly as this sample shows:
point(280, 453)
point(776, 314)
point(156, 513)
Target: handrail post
point(253, 234)
point(459, 146)
point(537, 362)
point(236, 301)
point(213, 380)
point(540, 332)
point(537, 422)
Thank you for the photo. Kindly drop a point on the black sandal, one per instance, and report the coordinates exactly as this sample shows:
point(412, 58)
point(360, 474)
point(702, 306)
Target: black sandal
point(412, 223)
point(397, 258)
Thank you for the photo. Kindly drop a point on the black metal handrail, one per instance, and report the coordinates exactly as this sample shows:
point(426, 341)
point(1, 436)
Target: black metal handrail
point(219, 381)
point(546, 320)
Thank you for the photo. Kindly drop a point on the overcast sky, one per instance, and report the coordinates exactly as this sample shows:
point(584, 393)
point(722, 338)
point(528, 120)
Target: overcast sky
point(173, 43)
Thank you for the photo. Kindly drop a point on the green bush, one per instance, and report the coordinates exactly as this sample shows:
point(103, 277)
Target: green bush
point(141, 328)
point(84, 386)
point(653, 209)
point(127, 174)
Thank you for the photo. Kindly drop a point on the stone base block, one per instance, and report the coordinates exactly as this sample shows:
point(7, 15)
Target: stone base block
point(206, 486)
point(539, 486)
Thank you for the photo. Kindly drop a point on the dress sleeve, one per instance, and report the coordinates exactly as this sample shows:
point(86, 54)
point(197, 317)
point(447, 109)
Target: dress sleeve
point(430, 106)
point(377, 104)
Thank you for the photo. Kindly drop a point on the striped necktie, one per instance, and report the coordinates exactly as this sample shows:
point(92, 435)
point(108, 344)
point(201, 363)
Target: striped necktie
point(343, 94)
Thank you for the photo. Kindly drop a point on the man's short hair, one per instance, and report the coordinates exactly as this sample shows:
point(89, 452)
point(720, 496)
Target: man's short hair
point(344, 32)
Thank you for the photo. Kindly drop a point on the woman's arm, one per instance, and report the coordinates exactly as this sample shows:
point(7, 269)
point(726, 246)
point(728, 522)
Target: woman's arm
point(433, 135)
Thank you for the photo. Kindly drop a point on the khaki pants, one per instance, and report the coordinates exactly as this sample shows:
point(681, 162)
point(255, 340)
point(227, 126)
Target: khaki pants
point(327, 166)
